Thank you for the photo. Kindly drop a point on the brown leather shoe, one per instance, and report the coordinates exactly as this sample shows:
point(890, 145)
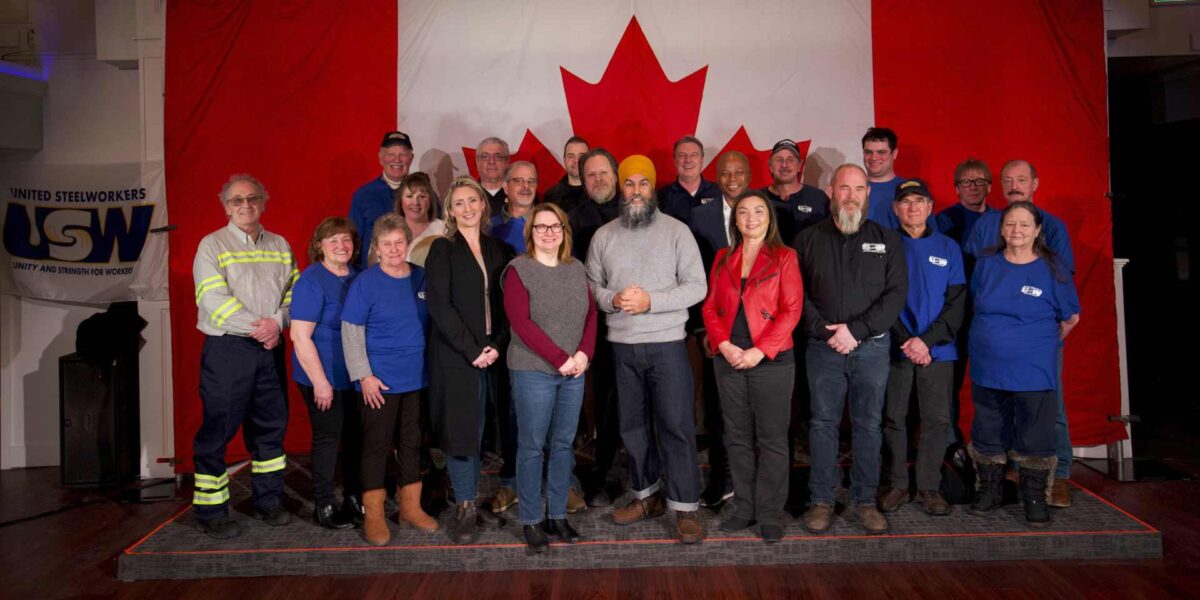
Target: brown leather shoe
point(892, 500)
point(933, 503)
point(871, 519)
point(688, 526)
point(818, 518)
point(1059, 494)
point(504, 499)
point(638, 509)
point(575, 501)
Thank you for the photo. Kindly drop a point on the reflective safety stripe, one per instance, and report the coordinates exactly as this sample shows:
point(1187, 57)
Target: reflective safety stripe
point(205, 282)
point(204, 290)
point(254, 256)
point(235, 308)
point(231, 306)
point(211, 482)
point(269, 466)
point(220, 496)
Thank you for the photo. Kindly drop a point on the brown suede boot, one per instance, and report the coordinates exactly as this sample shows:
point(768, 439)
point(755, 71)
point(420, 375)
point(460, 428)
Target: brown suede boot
point(375, 528)
point(409, 498)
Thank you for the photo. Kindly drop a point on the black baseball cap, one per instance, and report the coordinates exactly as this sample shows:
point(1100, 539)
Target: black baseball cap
point(786, 144)
point(396, 138)
point(911, 187)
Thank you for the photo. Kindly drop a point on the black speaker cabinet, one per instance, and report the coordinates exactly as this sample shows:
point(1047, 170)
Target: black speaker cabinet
point(100, 439)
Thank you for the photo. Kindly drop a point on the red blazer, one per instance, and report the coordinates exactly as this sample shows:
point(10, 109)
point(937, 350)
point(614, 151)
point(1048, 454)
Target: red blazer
point(773, 297)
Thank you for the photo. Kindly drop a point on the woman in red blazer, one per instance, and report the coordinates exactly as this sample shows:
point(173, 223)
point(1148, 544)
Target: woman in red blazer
point(754, 300)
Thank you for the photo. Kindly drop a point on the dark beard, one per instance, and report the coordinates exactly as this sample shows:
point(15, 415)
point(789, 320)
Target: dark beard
point(642, 217)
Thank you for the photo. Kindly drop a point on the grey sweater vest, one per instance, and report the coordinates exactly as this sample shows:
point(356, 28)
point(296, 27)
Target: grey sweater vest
point(558, 305)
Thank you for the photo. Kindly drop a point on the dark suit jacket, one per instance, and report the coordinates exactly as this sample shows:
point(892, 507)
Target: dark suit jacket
point(454, 294)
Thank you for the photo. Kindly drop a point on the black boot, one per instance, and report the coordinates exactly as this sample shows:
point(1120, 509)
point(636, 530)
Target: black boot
point(352, 510)
point(487, 519)
point(463, 529)
point(326, 517)
point(1033, 494)
point(535, 538)
point(990, 471)
point(561, 529)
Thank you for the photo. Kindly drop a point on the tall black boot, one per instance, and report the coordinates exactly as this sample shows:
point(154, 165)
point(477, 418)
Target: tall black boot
point(1035, 471)
point(990, 470)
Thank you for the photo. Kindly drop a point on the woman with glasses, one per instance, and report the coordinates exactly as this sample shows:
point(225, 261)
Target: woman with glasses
point(754, 298)
point(469, 330)
point(553, 320)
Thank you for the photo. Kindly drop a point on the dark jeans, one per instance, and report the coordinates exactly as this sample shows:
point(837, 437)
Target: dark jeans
point(339, 423)
point(714, 423)
point(602, 380)
point(1020, 421)
point(933, 400)
point(398, 421)
point(241, 386)
point(548, 413)
point(757, 409)
point(1062, 432)
point(860, 377)
point(655, 389)
point(464, 470)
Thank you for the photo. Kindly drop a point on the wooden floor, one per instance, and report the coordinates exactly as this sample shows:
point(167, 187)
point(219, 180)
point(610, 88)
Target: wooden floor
point(71, 549)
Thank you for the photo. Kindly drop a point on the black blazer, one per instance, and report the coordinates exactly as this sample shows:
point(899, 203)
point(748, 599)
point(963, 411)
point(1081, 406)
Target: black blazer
point(454, 294)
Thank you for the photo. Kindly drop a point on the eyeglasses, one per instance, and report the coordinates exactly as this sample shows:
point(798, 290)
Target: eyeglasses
point(544, 229)
point(911, 201)
point(522, 182)
point(973, 182)
point(489, 157)
point(243, 200)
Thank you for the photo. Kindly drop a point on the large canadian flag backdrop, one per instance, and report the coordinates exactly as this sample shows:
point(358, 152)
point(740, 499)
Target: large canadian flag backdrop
point(300, 94)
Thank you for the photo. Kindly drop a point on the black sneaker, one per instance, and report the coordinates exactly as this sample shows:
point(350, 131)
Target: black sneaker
point(222, 528)
point(276, 515)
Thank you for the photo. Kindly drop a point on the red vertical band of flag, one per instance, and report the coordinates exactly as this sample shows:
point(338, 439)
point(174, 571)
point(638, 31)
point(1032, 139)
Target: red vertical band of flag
point(1009, 80)
point(297, 94)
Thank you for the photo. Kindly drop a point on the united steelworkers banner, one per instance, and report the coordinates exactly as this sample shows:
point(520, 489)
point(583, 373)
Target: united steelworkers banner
point(83, 232)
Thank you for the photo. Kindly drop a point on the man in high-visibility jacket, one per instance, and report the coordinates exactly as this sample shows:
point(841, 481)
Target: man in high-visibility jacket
point(244, 276)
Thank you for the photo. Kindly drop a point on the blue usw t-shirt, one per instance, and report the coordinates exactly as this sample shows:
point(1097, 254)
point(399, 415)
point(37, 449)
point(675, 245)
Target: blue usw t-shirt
point(1014, 334)
point(318, 297)
point(510, 231)
point(396, 319)
point(934, 264)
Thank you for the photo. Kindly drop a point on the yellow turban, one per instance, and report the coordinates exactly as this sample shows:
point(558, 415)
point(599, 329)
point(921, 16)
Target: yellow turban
point(637, 164)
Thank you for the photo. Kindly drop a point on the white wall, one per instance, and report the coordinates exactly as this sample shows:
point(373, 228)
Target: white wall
point(1171, 31)
point(94, 113)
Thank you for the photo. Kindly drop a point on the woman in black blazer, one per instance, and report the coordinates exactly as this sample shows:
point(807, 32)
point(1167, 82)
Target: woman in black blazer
point(468, 331)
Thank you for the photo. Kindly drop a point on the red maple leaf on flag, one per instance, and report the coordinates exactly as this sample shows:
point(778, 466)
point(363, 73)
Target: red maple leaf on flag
point(635, 109)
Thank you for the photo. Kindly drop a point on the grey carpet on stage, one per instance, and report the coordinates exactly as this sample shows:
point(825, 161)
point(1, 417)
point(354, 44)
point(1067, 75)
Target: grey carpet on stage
point(1090, 529)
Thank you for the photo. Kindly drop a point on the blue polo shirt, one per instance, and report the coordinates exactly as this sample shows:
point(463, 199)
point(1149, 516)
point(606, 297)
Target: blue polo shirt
point(396, 319)
point(510, 230)
point(1014, 334)
point(879, 207)
point(677, 202)
point(369, 202)
point(956, 222)
point(986, 235)
point(318, 297)
point(934, 264)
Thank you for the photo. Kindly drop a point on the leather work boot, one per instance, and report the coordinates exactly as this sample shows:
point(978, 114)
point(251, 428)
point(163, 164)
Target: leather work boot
point(504, 499)
point(464, 529)
point(639, 509)
point(893, 500)
point(561, 529)
point(575, 501)
point(818, 518)
point(409, 498)
point(933, 502)
point(871, 519)
point(1059, 494)
point(1033, 494)
point(375, 528)
point(535, 538)
point(221, 528)
point(991, 482)
point(688, 526)
point(276, 516)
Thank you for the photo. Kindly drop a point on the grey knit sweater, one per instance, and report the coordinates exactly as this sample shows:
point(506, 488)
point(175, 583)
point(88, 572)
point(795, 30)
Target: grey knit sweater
point(661, 258)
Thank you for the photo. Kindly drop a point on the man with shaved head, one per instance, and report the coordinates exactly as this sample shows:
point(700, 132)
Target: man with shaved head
point(855, 285)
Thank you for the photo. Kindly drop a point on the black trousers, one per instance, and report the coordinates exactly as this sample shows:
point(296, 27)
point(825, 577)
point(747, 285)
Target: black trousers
point(339, 423)
point(241, 386)
point(933, 385)
point(714, 422)
point(756, 404)
point(397, 422)
point(605, 413)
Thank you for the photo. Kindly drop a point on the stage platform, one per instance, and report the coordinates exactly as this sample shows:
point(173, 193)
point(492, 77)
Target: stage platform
point(177, 549)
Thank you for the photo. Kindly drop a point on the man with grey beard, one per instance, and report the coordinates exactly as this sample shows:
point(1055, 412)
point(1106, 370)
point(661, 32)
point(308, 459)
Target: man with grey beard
point(855, 285)
point(645, 271)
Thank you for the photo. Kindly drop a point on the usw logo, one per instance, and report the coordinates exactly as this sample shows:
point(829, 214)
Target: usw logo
point(81, 235)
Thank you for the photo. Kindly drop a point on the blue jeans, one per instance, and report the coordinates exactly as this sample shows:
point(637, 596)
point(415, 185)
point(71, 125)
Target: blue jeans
point(464, 470)
point(547, 416)
point(1062, 434)
point(655, 391)
point(832, 377)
